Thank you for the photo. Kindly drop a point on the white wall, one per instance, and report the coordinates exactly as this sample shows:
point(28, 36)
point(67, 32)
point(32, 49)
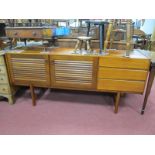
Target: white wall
point(148, 26)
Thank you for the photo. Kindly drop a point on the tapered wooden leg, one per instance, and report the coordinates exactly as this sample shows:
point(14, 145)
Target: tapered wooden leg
point(33, 95)
point(77, 45)
point(10, 99)
point(117, 102)
point(123, 94)
point(81, 44)
point(148, 88)
point(115, 97)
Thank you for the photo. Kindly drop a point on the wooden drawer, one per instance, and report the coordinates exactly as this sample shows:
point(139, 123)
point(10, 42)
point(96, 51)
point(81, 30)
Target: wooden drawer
point(2, 70)
point(133, 63)
point(1, 60)
point(3, 79)
point(122, 74)
point(4, 89)
point(121, 85)
point(28, 33)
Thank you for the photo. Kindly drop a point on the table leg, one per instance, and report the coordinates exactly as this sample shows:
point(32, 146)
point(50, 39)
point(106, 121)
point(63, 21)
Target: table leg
point(88, 26)
point(117, 102)
point(33, 95)
point(148, 88)
point(88, 30)
point(25, 42)
point(81, 43)
point(77, 45)
point(101, 38)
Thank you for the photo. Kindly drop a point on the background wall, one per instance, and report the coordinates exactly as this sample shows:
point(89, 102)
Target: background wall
point(148, 26)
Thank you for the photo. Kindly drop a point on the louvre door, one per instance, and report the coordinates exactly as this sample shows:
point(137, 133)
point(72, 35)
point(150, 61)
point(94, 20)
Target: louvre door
point(27, 69)
point(73, 72)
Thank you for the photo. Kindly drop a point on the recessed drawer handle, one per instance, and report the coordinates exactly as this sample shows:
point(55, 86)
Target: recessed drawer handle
point(3, 89)
point(2, 79)
point(0, 70)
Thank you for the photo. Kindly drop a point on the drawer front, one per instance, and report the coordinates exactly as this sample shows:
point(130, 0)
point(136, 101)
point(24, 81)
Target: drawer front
point(122, 74)
point(121, 85)
point(28, 33)
point(1, 60)
point(3, 79)
point(3, 70)
point(124, 63)
point(4, 89)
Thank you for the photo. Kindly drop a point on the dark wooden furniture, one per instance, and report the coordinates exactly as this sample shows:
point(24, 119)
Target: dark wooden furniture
point(101, 30)
point(151, 76)
point(29, 32)
point(60, 68)
point(24, 33)
point(149, 85)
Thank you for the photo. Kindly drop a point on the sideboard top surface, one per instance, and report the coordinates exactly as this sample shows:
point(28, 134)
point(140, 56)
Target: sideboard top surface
point(70, 51)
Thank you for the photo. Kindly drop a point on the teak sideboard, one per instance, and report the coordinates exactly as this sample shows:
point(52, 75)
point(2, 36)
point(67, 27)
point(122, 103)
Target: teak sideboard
point(60, 68)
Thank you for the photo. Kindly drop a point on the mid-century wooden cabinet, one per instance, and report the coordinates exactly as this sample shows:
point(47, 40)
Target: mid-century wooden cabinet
point(83, 72)
point(60, 68)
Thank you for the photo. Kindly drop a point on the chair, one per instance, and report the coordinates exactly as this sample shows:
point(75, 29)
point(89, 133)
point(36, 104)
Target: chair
point(119, 26)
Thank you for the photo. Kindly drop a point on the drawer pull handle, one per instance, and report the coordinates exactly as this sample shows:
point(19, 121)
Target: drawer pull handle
point(2, 79)
point(3, 89)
